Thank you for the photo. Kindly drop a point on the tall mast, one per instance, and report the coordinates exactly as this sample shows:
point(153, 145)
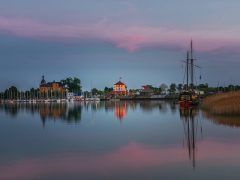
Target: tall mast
point(192, 65)
point(187, 68)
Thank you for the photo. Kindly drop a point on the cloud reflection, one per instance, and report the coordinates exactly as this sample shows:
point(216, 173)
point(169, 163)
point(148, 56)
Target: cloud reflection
point(131, 157)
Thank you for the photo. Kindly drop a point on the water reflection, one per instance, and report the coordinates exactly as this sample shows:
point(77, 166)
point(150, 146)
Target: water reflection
point(120, 110)
point(72, 112)
point(147, 145)
point(191, 127)
point(230, 121)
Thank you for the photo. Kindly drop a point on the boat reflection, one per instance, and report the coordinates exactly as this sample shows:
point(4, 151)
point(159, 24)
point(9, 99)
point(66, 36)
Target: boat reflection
point(191, 123)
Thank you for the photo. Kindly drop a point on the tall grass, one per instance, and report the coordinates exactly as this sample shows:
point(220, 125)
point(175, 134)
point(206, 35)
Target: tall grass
point(223, 104)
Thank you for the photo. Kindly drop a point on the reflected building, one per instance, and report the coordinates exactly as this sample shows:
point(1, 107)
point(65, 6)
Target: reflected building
point(57, 111)
point(120, 109)
point(52, 111)
point(71, 112)
point(47, 111)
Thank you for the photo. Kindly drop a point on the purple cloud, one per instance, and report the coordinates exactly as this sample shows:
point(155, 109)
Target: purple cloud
point(129, 37)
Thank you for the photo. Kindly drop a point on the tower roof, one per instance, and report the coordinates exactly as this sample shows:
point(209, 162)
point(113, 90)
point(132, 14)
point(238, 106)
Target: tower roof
point(119, 83)
point(43, 80)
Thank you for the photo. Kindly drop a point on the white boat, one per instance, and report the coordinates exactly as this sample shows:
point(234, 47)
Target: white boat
point(63, 100)
point(47, 100)
point(96, 99)
point(93, 99)
point(88, 99)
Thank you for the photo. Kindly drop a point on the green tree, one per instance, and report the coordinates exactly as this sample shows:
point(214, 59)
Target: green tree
point(172, 88)
point(11, 93)
point(107, 90)
point(179, 87)
point(95, 91)
point(163, 87)
point(32, 93)
point(72, 84)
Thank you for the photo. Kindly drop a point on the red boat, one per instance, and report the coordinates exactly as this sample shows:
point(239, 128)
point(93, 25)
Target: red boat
point(188, 99)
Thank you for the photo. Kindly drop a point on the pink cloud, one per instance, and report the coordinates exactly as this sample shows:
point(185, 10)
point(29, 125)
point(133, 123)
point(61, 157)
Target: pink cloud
point(131, 43)
point(133, 157)
point(129, 37)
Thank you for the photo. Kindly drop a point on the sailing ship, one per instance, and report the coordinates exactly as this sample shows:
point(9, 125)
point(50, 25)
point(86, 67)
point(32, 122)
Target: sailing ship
point(188, 96)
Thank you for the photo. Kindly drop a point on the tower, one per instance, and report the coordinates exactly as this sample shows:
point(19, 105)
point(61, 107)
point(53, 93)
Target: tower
point(43, 80)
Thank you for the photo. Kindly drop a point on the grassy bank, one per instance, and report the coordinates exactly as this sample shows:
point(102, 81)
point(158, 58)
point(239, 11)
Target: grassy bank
point(223, 104)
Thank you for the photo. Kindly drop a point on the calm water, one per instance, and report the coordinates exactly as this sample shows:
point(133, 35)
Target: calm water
point(116, 140)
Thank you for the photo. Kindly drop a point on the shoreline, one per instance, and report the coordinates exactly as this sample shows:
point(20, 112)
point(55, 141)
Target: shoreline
point(101, 100)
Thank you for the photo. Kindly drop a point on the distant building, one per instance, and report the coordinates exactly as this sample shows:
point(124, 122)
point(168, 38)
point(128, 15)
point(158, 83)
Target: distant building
point(51, 87)
point(147, 90)
point(120, 88)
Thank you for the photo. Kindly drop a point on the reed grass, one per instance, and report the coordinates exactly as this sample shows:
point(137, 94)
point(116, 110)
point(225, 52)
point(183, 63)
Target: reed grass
point(223, 104)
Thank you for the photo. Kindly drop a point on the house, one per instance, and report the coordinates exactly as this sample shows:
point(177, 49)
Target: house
point(146, 90)
point(51, 87)
point(120, 89)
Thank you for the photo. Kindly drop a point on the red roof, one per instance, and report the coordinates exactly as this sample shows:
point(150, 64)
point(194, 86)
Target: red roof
point(147, 87)
point(119, 83)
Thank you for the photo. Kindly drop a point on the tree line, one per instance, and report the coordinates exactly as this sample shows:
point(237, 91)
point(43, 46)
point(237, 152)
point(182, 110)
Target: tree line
point(74, 85)
point(173, 88)
point(70, 85)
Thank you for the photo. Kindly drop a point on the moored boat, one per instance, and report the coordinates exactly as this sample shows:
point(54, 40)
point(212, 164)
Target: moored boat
point(189, 97)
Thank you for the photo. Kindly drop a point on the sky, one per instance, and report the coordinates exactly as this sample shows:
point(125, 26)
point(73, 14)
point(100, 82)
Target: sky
point(99, 41)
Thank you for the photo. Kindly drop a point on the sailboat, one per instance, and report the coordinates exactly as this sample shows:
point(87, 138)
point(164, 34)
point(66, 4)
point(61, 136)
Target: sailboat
point(188, 96)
